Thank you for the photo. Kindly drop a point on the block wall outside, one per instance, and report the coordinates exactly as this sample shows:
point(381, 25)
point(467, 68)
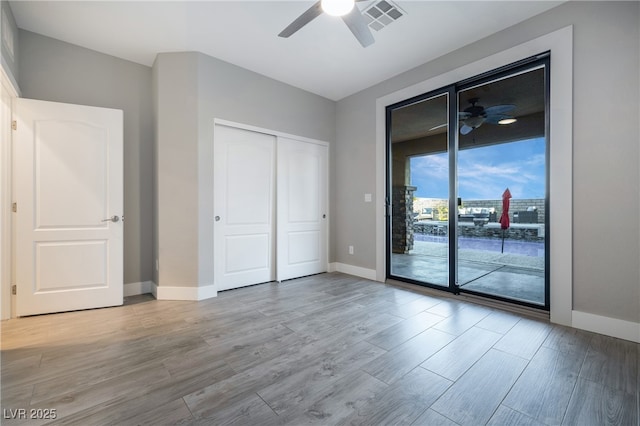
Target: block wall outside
point(402, 220)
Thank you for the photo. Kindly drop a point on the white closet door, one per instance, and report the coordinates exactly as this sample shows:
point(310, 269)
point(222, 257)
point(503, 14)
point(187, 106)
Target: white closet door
point(302, 208)
point(244, 207)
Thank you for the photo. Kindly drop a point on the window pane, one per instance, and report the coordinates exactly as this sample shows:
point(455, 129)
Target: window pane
point(420, 191)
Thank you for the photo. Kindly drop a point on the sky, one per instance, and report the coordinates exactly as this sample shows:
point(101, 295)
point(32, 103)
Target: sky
point(485, 172)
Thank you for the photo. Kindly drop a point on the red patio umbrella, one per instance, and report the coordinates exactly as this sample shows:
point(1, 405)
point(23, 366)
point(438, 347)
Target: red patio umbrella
point(504, 217)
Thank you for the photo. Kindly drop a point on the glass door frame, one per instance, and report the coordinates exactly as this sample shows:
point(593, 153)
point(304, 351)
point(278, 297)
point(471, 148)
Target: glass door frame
point(528, 64)
point(452, 142)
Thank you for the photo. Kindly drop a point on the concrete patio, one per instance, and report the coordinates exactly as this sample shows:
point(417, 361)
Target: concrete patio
point(510, 275)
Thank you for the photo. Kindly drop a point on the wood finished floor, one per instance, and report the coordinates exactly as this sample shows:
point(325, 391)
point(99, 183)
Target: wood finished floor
point(330, 349)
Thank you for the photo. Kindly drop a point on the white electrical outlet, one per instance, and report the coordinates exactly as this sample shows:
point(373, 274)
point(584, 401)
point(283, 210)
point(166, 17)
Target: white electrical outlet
point(350, 249)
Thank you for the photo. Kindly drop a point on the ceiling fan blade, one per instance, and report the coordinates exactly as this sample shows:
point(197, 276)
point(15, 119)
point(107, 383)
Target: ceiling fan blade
point(465, 130)
point(358, 26)
point(309, 15)
point(439, 126)
point(499, 109)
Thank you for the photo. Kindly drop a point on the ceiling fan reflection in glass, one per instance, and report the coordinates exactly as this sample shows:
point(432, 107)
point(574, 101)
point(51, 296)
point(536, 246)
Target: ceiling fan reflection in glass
point(475, 116)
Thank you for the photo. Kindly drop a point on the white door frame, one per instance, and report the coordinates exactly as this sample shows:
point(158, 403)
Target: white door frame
point(6, 194)
point(278, 134)
point(275, 133)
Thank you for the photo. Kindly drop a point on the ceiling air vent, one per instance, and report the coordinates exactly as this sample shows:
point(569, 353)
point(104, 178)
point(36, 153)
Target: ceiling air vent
point(382, 13)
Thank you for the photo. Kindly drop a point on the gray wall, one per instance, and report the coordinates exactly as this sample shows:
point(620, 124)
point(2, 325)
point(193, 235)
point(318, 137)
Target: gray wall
point(56, 71)
point(191, 90)
point(605, 161)
point(175, 88)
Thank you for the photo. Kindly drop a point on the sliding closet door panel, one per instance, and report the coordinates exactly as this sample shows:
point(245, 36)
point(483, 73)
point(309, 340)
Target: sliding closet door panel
point(302, 208)
point(244, 194)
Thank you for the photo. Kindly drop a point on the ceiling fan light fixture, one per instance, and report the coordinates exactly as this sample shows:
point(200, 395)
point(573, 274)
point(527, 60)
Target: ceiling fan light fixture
point(508, 120)
point(474, 122)
point(337, 7)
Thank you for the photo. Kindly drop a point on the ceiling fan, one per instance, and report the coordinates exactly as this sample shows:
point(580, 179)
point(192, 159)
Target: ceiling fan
point(346, 9)
point(476, 115)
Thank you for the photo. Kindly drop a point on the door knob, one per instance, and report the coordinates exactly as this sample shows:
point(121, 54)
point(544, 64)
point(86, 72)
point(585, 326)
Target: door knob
point(217, 218)
point(113, 219)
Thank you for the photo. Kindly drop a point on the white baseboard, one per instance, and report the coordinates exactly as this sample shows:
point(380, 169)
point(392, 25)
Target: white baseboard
point(613, 327)
point(184, 293)
point(369, 274)
point(134, 289)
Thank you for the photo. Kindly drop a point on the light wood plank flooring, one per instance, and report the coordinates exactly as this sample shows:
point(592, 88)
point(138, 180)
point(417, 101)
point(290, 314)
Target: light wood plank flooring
point(330, 349)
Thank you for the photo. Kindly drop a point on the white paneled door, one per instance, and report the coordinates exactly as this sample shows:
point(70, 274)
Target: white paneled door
point(69, 194)
point(302, 208)
point(244, 207)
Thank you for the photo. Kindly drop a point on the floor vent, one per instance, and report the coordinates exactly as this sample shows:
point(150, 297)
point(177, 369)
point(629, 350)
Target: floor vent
point(382, 13)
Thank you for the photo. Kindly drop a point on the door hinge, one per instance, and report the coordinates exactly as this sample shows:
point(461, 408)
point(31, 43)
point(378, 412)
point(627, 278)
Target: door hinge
point(14, 289)
point(14, 207)
point(14, 125)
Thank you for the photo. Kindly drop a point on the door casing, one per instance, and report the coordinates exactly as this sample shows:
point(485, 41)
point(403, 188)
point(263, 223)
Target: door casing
point(9, 93)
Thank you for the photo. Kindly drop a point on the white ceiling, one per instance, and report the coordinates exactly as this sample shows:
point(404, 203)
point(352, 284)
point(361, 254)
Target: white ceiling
point(322, 58)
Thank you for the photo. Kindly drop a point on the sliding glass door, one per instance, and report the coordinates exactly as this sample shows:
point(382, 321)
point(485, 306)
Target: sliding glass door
point(419, 189)
point(467, 186)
